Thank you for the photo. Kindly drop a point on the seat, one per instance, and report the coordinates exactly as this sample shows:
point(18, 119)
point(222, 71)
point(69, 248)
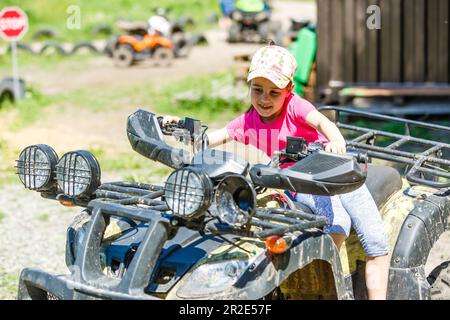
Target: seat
point(382, 182)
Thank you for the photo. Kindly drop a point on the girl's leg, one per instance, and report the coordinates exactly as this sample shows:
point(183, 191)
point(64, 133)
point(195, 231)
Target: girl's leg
point(377, 273)
point(366, 221)
point(331, 207)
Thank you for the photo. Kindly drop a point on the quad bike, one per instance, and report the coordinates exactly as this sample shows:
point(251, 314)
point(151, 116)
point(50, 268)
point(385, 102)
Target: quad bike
point(138, 40)
point(140, 45)
point(252, 27)
point(217, 228)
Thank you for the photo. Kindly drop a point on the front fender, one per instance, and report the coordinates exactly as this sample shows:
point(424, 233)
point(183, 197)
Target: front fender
point(269, 271)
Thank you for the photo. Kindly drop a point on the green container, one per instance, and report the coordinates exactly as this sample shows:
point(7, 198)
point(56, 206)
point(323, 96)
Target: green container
point(304, 51)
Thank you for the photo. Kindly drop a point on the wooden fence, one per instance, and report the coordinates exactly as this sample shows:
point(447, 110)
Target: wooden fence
point(409, 49)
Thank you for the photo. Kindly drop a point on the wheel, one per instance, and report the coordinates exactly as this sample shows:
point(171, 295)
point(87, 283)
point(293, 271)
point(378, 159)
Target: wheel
point(439, 279)
point(51, 48)
point(123, 56)
point(438, 268)
point(162, 56)
point(180, 44)
point(110, 46)
point(234, 33)
point(264, 32)
point(281, 39)
point(6, 96)
point(84, 45)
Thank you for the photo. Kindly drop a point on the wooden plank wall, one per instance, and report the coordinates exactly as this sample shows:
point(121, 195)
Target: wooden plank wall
point(411, 46)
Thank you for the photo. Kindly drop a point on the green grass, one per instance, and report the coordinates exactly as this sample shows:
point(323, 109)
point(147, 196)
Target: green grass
point(2, 216)
point(7, 170)
point(46, 62)
point(43, 217)
point(28, 110)
point(58, 14)
point(8, 285)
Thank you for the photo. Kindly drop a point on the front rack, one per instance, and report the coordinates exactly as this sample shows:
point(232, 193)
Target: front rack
point(426, 167)
point(270, 221)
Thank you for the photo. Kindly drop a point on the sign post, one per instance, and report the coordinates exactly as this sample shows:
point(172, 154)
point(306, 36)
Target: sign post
point(13, 26)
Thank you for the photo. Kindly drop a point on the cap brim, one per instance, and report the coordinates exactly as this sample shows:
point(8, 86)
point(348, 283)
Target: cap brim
point(276, 78)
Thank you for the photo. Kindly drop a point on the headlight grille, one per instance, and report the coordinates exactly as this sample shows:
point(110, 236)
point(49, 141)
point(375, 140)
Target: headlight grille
point(78, 173)
point(187, 192)
point(35, 167)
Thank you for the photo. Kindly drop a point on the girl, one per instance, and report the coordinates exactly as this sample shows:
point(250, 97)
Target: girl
point(277, 113)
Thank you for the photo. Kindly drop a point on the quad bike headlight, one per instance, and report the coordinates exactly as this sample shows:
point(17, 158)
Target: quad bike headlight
point(36, 167)
point(188, 192)
point(210, 278)
point(78, 173)
point(235, 198)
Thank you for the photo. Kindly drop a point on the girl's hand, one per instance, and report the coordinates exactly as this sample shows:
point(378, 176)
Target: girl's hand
point(168, 119)
point(336, 147)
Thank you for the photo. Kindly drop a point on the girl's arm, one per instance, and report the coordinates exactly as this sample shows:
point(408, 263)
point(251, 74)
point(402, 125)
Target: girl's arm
point(218, 137)
point(329, 130)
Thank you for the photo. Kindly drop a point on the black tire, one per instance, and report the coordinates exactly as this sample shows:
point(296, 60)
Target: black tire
point(264, 32)
point(23, 46)
point(212, 18)
point(186, 22)
point(234, 33)
point(84, 45)
point(102, 29)
point(44, 33)
point(181, 45)
point(281, 39)
point(162, 57)
point(47, 48)
point(123, 56)
point(438, 266)
point(7, 90)
point(6, 96)
point(110, 46)
point(439, 279)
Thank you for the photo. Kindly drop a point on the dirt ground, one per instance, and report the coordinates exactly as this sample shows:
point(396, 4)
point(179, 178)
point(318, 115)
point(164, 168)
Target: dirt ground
point(32, 230)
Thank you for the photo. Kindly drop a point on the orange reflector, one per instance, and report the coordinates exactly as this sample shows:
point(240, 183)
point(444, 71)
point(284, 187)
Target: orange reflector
point(276, 245)
point(66, 203)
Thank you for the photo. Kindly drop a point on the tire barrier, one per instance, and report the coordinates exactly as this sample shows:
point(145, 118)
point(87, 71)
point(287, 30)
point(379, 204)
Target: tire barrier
point(7, 90)
point(44, 33)
point(51, 47)
point(183, 43)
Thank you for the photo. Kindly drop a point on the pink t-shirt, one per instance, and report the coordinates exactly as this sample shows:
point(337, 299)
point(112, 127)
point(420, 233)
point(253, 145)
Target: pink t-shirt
point(249, 129)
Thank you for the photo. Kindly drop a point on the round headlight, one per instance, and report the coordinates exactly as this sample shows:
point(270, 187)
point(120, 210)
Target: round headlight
point(188, 192)
point(236, 200)
point(78, 173)
point(36, 167)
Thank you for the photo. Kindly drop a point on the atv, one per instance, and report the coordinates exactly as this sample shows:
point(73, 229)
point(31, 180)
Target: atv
point(252, 27)
point(220, 228)
point(139, 45)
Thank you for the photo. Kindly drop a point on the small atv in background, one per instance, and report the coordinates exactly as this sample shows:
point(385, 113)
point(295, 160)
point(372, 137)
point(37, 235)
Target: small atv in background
point(252, 26)
point(138, 45)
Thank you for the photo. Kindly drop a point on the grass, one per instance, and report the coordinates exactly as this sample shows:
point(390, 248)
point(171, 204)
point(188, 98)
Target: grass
point(43, 217)
point(2, 216)
point(46, 62)
point(74, 20)
point(8, 285)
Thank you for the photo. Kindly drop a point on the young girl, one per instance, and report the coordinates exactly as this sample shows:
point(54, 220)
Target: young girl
point(277, 113)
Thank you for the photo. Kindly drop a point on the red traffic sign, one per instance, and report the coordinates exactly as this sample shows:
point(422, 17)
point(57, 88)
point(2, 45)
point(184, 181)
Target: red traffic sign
point(13, 23)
